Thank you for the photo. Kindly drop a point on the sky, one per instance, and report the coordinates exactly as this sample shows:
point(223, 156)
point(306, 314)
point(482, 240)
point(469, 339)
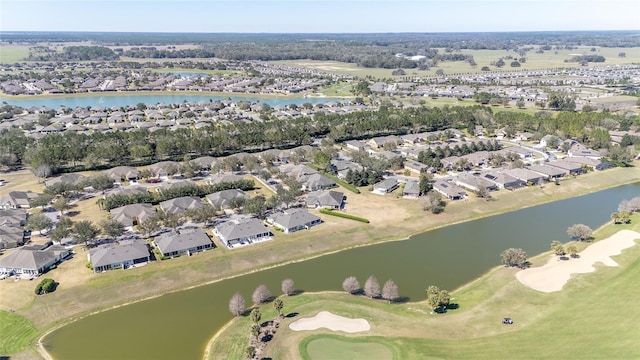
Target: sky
point(318, 16)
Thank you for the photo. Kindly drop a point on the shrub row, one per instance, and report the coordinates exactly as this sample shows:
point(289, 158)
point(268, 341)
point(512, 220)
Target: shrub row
point(343, 215)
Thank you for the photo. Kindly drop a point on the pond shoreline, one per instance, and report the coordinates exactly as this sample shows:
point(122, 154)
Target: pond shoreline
point(556, 197)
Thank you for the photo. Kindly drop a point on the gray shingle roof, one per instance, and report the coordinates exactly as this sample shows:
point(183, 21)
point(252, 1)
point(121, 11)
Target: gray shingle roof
point(114, 254)
point(223, 198)
point(128, 213)
point(231, 230)
point(293, 218)
point(27, 259)
point(325, 198)
point(168, 243)
point(179, 205)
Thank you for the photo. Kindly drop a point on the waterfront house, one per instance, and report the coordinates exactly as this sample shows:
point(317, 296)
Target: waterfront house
point(385, 186)
point(242, 232)
point(292, 220)
point(525, 175)
point(449, 190)
point(185, 242)
point(32, 261)
point(411, 190)
point(548, 172)
point(326, 199)
point(474, 183)
point(118, 256)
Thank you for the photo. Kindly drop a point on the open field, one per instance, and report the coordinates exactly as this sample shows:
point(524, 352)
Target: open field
point(549, 59)
point(11, 54)
point(565, 324)
point(335, 348)
point(82, 292)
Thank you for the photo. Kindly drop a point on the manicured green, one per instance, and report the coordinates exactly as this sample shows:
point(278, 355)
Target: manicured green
point(331, 347)
point(16, 333)
point(595, 316)
point(343, 215)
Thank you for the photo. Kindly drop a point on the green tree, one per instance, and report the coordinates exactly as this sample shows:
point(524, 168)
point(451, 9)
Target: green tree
point(61, 204)
point(443, 299)
point(514, 257)
point(250, 352)
point(255, 315)
point(433, 297)
point(255, 331)
point(46, 286)
point(425, 184)
point(38, 222)
point(278, 305)
point(557, 248)
point(572, 250)
point(112, 228)
point(41, 201)
point(84, 231)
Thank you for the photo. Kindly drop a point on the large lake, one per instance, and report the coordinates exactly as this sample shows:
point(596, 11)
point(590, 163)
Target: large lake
point(128, 99)
point(178, 325)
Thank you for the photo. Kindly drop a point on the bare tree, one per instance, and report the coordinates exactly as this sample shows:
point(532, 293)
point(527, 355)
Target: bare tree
point(42, 172)
point(372, 287)
point(261, 294)
point(630, 205)
point(287, 287)
point(579, 231)
point(390, 291)
point(351, 285)
point(237, 305)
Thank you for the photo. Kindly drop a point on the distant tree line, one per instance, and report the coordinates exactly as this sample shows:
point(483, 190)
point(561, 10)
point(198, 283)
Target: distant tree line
point(77, 53)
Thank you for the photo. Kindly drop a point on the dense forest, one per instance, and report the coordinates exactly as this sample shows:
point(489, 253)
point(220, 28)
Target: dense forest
point(367, 50)
point(72, 151)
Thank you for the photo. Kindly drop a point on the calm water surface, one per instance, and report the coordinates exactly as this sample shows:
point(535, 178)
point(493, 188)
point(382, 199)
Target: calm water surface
point(128, 99)
point(178, 325)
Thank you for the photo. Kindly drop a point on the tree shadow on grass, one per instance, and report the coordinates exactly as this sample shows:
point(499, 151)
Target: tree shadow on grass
point(292, 314)
point(297, 292)
point(72, 213)
point(401, 300)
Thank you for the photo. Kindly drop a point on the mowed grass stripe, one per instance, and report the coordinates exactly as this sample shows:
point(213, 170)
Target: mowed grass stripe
point(16, 333)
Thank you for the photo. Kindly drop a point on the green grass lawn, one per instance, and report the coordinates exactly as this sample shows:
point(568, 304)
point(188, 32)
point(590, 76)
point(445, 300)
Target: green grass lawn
point(11, 54)
point(595, 316)
point(210, 72)
point(16, 333)
point(327, 347)
point(546, 60)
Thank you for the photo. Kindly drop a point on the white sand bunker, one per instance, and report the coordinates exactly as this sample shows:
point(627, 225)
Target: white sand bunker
point(552, 276)
point(333, 322)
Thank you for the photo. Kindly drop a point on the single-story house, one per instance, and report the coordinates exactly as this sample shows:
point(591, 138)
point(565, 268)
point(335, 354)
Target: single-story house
point(181, 204)
point(122, 173)
point(416, 167)
point(385, 186)
point(551, 141)
point(292, 220)
point(241, 232)
point(524, 153)
point(549, 172)
point(316, 182)
point(126, 254)
point(32, 262)
point(568, 166)
point(526, 175)
point(127, 190)
point(11, 236)
point(503, 181)
point(74, 179)
point(205, 162)
point(380, 141)
point(223, 199)
point(175, 185)
point(584, 161)
point(16, 217)
point(164, 169)
point(355, 145)
point(579, 150)
point(474, 183)
point(186, 242)
point(342, 167)
point(449, 190)
point(130, 215)
point(411, 189)
point(326, 199)
point(17, 199)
